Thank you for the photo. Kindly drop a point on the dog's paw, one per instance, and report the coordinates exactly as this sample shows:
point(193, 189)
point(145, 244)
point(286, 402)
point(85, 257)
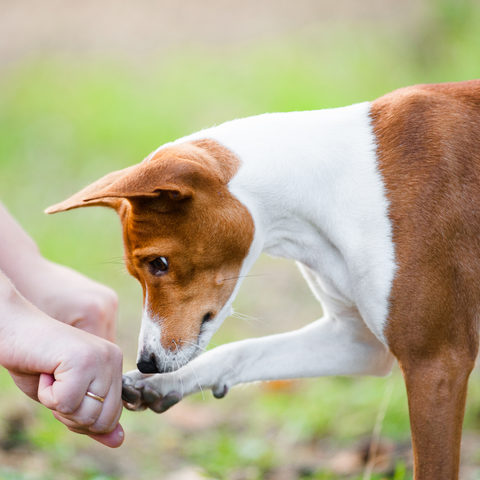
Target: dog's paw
point(132, 398)
point(131, 395)
point(156, 392)
point(154, 400)
point(161, 391)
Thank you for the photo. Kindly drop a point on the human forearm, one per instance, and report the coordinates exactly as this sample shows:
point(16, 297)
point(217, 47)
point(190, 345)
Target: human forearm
point(17, 249)
point(56, 290)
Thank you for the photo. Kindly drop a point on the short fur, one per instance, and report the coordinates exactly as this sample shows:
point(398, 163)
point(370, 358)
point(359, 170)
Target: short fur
point(378, 204)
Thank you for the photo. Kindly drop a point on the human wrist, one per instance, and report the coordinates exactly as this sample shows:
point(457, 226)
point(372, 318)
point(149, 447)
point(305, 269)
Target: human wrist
point(12, 312)
point(7, 296)
point(17, 248)
point(24, 272)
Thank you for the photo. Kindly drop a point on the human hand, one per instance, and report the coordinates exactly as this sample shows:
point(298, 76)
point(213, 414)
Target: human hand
point(69, 296)
point(56, 365)
point(58, 291)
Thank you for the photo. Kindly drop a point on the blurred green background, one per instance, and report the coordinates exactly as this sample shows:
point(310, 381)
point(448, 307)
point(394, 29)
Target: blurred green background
point(85, 92)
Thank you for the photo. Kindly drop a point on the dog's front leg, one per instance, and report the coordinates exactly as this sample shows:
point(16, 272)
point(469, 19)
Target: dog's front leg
point(330, 346)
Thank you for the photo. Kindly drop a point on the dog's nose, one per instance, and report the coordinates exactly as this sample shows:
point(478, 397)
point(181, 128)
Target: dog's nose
point(147, 366)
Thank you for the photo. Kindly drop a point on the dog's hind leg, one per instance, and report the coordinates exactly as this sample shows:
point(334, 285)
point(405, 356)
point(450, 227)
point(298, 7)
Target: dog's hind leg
point(437, 390)
point(329, 346)
point(435, 340)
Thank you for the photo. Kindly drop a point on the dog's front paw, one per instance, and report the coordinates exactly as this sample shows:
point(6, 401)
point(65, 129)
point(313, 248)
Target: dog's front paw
point(131, 396)
point(156, 392)
point(154, 400)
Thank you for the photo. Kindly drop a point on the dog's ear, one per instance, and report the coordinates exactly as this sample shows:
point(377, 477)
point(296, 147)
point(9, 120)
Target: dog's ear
point(173, 178)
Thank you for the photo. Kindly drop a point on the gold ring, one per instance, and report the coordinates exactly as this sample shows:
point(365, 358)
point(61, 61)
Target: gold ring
point(96, 397)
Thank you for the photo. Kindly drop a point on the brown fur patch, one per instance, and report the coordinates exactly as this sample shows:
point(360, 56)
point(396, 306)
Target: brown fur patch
point(220, 161)
point(429, 156)
point(177, 205)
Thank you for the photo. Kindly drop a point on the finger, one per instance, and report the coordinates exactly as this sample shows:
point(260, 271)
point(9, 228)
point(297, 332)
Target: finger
point(65, 394)
point(113, 439)
point(27, 383)
point(87, 413)
point(136, 407)
point(98, 415)
point(71, 424)
point(76, 427)
point(44, 390)
point(112, 408)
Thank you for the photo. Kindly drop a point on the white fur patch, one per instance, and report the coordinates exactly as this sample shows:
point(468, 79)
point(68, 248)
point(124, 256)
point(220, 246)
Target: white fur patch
point(311, 183)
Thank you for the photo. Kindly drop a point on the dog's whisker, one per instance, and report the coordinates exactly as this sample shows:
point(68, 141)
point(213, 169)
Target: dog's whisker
point(194, 344)
point(242, 316)
point(245, 276)
point(174, 357)
point(250, 323)
point(180, 377)
point(193, 370)
point(205, 350)
point(114, 260)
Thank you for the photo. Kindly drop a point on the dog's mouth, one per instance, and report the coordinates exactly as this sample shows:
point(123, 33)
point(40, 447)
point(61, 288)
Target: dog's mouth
point(153, 357)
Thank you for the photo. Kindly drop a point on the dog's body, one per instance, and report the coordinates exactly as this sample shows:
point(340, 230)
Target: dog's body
point(379, 205)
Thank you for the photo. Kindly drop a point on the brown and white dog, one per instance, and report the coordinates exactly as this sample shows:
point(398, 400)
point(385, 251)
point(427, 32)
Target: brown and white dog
point(379, 203)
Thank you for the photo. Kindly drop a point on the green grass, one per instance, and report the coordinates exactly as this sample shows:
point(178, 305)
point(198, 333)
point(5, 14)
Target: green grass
point(66, 122)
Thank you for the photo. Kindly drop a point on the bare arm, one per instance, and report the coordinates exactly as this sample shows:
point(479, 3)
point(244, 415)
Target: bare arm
point(50, 361)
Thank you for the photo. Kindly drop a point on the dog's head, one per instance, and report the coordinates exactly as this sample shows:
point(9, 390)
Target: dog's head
point(185, 237)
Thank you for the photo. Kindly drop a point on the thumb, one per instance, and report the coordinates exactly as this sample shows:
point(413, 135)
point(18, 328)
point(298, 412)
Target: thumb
point(63, 393)
point(45, 393)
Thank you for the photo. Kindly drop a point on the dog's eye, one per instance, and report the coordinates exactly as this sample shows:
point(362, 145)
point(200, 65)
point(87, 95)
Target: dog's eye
point(159, 266)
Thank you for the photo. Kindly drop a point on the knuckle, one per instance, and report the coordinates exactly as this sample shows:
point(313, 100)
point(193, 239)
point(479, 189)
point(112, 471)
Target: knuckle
point(85, 358)
point(134, 407)
point(81, 431)
point(109, 352)
point(102, 306)
point(64, 409)
point(95, 310)
point(112, 300)
point(85, 421)
point(111, 355)
point(117, 354)
point(102, 427)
